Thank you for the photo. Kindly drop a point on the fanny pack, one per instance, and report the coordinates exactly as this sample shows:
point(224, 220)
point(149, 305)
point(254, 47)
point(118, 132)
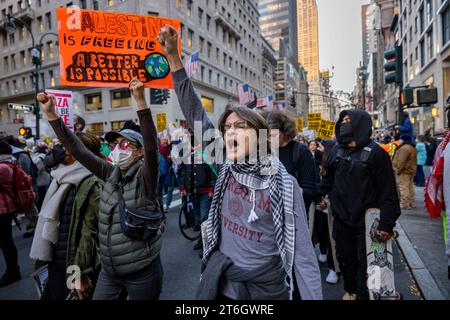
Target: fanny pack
point(137, 223)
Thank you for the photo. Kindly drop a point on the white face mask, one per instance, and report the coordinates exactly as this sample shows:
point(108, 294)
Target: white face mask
point(122, 158)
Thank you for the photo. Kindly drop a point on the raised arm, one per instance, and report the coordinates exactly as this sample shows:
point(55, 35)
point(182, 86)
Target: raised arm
point(150, 169)
point(70, 141)
point(190, 103)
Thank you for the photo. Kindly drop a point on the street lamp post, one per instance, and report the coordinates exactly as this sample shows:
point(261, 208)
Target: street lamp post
point(363, 77)
point(10, 26)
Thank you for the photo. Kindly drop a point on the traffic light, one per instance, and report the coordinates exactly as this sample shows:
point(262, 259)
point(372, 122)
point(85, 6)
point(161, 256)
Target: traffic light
point(394, 66)
point(22, 131)
point(292, 102)
point(156, 96)
point(407, 97)
point(166, 95)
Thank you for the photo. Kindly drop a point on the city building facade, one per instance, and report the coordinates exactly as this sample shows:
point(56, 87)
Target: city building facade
point(308, 54)
point(224, 33)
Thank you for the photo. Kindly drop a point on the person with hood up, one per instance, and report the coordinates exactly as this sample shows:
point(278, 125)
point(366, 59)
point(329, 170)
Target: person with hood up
point(407, 127)
point(405, 165)
point(358, 177)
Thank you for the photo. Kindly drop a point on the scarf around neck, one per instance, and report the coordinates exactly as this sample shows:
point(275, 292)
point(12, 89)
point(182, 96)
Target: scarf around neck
point(267, 174)
point(48, 222)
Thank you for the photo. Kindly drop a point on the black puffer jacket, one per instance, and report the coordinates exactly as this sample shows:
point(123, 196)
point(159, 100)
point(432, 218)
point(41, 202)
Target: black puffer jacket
point(355, 186)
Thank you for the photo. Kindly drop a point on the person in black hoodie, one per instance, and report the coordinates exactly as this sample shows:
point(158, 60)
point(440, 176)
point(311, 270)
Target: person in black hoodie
point(359, 176)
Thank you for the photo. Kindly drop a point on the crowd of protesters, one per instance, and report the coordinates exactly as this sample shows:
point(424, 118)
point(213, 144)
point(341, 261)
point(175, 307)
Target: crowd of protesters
point(99, 203)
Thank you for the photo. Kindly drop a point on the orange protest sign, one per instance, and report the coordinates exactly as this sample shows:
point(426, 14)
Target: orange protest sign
point(108, 49)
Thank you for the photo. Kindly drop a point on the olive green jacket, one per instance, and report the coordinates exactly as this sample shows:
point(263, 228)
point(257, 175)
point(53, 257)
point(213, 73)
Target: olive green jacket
point(83, 247)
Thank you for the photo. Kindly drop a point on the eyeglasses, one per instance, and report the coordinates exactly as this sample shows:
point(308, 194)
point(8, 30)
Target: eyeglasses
point(241, 124)
point(122, 145)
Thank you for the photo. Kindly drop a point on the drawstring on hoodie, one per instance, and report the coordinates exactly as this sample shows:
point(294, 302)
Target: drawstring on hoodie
point(253, 216)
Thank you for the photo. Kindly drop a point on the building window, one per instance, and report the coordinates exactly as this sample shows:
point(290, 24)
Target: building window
point(121, 98)
point(40, 24)
point(153, 13)
point(95, 5)
point(5, 39)
point(209, 48)
point(208, 104)
point(48, 18)
point(202, 44)
point(429, 6)
point(93, 102)
point(422, 20)
point(23, 58)
point(189, 7)
point(422, 53)
point(110, 3)
point(446, 26)
point(12, 39)
point(208, 22)
point(43, 80)
point(225, 83)
point(5, 64)
point(430, 46)
point(52, 78)
point(50, 47)
point(117, 125)
point(13, 62)
point(83, 4)
point(190, 37)
point(210, 76)
point(16, 90)
point(200, 16)
point(178, 4)
point(202, 73)
point(95, 128)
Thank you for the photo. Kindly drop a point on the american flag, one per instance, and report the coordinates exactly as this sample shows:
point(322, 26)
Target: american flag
point(244, 93)
point(191, 65)
point(281, 106)
point(268, 101)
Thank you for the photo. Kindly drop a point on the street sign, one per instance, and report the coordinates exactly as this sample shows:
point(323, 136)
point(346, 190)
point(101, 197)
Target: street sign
point(18, 121)
point(20, 107)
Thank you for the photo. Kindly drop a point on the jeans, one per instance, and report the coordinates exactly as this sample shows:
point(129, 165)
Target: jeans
point(7, 244)
point(351, 255)
point(419, 179)
point(143, 285)
point(170, 183)
point(202, 203)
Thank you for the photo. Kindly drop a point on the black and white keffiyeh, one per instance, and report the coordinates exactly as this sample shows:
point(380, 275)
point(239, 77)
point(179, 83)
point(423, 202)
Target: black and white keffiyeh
point(266, 174)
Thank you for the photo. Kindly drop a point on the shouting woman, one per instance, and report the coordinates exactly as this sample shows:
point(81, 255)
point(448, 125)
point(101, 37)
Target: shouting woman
point(257, 232)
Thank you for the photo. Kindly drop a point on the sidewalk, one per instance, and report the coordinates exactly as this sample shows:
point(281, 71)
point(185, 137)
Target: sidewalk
point(422, 242)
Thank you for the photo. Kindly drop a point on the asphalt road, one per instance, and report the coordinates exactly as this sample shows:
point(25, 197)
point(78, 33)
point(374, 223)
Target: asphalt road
point(182, 268)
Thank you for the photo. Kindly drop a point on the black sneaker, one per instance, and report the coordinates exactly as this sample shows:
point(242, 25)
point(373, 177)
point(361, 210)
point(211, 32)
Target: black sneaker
point(197, 228)
point(9, 278)
point(198, 245)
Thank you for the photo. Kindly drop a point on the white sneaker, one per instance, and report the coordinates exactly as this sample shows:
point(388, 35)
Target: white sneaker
point(332, 277)
point(322, 258)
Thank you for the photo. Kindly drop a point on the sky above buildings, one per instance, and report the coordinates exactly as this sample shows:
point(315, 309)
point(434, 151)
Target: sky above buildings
point(340, 43)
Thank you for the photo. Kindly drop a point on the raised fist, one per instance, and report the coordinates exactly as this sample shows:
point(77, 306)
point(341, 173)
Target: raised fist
point(168, 39)
point(47, 102)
